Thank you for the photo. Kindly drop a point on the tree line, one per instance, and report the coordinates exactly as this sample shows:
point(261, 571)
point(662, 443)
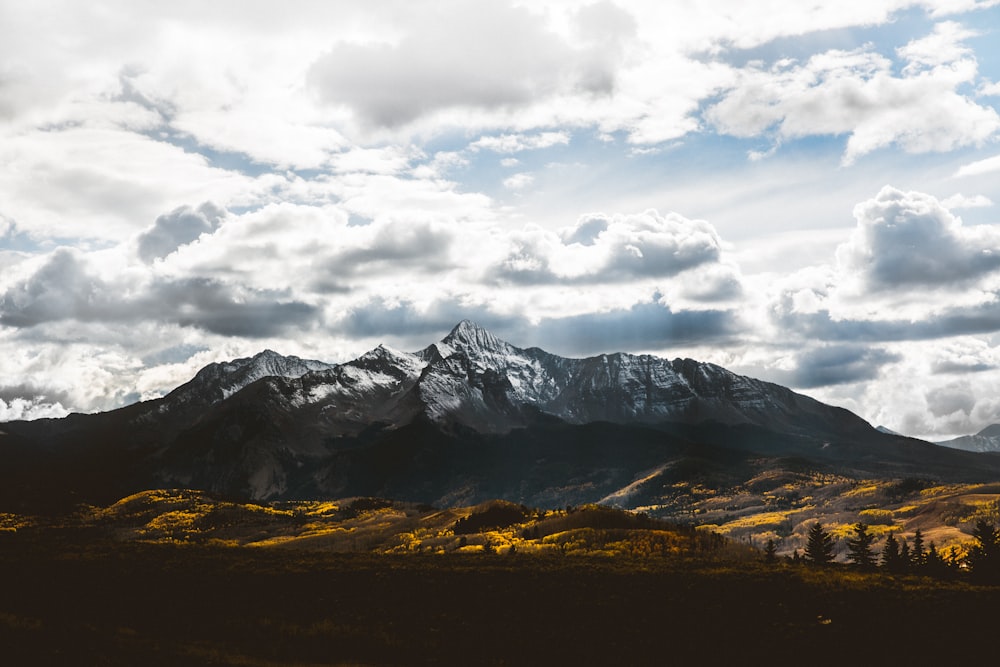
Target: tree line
point(898, 556)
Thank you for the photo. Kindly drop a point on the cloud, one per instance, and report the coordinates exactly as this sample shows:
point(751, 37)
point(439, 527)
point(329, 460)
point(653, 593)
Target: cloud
point(961, 201)
point(518, 181)
point(948, 367)
point(822, 325)
point(979, 167)
point(179, 227)
point(839, 364)
point(516, 143)
point(648, 325)
point(64, 288)
point(910, 239)
point(643, 326)
point(943, 401)
point(30, 408)
point(609, 248)
point(857, 93)
point(484, 55)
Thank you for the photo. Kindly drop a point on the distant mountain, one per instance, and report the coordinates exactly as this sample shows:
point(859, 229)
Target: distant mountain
point(987, 440)
point(467, 418)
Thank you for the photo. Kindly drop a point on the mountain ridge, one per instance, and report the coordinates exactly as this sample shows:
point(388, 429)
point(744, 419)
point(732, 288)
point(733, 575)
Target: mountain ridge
point(466, 418)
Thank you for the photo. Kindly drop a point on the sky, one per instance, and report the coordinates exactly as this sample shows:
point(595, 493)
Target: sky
point(802, 192)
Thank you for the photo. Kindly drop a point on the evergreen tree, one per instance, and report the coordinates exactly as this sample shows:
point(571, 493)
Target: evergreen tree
point(918, 557)
point(819, 545)
point(984, 556)
point(859, 547)
point(904, 556)
point(891, 560)
point(934, 564)
point(770, 552)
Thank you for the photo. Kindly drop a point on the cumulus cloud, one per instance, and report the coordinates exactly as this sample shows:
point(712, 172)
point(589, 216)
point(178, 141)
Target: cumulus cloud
point(179, 227)
point(29, 408)
point(616, 248)
point(911, 239)
point(857, 93)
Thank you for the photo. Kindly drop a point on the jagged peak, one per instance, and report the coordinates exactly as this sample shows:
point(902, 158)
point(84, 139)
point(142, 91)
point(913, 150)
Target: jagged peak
point(991, 431)
point(467, 334)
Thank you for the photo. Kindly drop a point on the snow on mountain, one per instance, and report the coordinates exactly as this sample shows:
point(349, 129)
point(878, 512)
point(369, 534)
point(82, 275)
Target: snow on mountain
point(474, 378)
point(987, 440)
point(218, 381)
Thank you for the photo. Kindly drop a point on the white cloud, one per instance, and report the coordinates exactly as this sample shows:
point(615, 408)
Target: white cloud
point(961, 201)
point(518, 181)
point(458, 55)
point(943, 46)
point(516, 143)
point(979, 167)
point(856, 93)
point(30, 408)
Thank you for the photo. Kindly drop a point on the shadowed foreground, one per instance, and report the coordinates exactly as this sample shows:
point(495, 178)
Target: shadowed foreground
point(154, 604)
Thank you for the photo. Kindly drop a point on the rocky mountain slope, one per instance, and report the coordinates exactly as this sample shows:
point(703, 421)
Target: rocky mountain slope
point(987, 440)
point(467, 418)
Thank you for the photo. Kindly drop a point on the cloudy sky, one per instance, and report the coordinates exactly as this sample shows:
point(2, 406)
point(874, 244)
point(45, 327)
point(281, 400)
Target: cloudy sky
point(803, 192)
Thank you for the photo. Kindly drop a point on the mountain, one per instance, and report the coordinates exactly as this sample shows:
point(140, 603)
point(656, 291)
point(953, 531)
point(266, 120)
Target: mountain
point(987, 440)
point(467, 418)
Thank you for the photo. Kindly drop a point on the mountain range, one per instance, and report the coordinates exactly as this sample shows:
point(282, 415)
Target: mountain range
point(987, 440)
point(467, 418)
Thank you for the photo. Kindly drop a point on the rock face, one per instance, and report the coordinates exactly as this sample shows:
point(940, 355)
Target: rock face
point(987, 440)
point(467, 418)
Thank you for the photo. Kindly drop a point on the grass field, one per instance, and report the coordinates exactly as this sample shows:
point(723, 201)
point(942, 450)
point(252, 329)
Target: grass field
point(75, 601)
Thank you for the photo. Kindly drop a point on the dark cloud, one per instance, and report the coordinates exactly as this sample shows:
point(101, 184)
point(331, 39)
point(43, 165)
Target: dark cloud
point(179, 227)
point(644, 326)
point(380, 317)
point(956, 321)
point(960, 367)
point(910, 239)
point(227, 310)
point(60, 289)
point(63, 289)
point(465, 54)
point(33, 394)
point(839, 364)
point(398, 244)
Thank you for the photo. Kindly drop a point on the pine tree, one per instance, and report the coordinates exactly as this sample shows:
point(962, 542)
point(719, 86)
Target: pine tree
point(904, 556)
point(918, 557)
point(891, 560)
point(984, 556)
point(934, 564)
point(859, 547)
point(770, 552)
point(819, 545)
